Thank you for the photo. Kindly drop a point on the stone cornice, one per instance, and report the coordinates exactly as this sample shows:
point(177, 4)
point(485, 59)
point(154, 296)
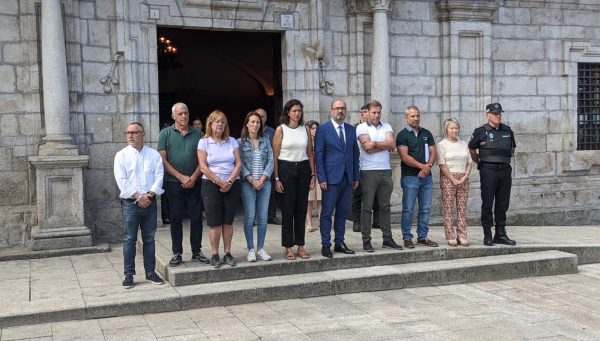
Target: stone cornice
point(461, 10)
point(52, 162)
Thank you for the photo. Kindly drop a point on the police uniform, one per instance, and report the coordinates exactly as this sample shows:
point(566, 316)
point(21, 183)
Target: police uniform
point(496, 147)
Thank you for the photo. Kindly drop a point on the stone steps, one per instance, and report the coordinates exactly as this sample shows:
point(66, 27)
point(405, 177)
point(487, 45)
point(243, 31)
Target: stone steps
point(307, 284)
point(195, 273)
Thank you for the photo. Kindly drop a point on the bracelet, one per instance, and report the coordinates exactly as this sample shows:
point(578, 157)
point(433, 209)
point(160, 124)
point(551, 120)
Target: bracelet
point(230, 182)
point(276, 179)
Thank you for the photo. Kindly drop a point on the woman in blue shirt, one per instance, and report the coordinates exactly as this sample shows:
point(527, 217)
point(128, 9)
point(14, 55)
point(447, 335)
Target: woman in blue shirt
point(257, 167)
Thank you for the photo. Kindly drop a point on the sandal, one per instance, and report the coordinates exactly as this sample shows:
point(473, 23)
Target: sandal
point(289, 254)
point(302, 253)
point(310, 228)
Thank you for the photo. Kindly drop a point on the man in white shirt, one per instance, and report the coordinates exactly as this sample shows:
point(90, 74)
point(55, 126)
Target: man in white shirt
point(139, 174)
point(375, 141)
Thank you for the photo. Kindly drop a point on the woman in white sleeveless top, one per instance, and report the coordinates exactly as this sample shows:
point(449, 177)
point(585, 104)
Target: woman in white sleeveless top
point(294, 162)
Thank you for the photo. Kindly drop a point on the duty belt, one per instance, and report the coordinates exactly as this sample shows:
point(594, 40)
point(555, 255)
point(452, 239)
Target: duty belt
point(490, 165)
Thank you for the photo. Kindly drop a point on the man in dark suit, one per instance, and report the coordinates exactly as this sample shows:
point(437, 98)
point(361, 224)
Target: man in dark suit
point(337, 156)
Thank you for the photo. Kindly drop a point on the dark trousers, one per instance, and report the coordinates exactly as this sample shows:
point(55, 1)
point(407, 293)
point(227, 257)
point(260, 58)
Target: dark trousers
point(376, 184)
point(295, 178)
point(164, 206)
point(495, 193)
point(179, 198)
point(272, 202)
point(335, 198)
point(357, 207)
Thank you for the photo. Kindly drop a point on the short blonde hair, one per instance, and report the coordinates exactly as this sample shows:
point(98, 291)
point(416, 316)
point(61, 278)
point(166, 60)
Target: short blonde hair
point(213, 117)
point(448, 122)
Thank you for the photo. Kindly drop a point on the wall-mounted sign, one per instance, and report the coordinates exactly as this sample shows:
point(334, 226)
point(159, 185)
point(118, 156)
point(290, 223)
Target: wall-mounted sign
point(287, 21)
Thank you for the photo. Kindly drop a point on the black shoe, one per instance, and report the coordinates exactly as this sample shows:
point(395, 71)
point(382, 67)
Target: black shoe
point(391, 244)
point(356, 227)
point(228, 259)
point(368, 247)
point(342, 248)
point(176, 260)
point(166, 221)
point(487, 236)
point(128, 282)
point(154, 278)
point(215, 261)
point(326, 252)
point(502, 238)
point(274, 221)
point(200, 258)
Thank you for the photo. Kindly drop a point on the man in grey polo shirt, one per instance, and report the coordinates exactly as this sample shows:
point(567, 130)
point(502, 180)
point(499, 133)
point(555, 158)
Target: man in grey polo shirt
point(178, 146)
point(375, 141)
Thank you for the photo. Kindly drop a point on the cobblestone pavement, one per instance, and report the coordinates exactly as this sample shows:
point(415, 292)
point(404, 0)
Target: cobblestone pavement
point(564, 307)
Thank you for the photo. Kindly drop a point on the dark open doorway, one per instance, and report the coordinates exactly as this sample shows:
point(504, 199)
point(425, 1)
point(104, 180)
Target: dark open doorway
point(235, 72)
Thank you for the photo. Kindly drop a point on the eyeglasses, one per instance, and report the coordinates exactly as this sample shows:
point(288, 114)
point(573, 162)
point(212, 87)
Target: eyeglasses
point(133, 132)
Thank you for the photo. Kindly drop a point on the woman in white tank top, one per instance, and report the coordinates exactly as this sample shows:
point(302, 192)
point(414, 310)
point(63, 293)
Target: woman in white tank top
point(294, 162)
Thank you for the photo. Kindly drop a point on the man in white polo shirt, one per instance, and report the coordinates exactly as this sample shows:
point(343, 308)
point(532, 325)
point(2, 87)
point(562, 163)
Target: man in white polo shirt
point(376, 139)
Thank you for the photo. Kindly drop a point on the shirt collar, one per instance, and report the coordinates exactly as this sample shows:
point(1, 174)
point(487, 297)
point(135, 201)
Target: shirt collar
point(335, 125)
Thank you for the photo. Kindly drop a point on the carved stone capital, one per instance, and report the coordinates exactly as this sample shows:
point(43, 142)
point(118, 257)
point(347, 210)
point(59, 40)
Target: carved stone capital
point(461, 10)
point(358, 6)
point(381, 5)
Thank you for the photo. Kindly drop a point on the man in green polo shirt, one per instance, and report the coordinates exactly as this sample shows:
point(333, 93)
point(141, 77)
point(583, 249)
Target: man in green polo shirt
point(178, 145)
point(416, 148)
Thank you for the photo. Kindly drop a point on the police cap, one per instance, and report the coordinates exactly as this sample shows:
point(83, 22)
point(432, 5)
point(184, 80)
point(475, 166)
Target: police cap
point(493, 107)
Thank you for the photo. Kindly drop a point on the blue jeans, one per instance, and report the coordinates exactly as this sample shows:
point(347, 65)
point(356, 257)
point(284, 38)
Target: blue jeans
point(255, 203)
point(145, 218)
point(413, 188)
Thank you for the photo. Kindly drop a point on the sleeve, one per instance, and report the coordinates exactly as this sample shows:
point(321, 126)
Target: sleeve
point(441, 153)
point(270, 162)
point(245, 171)
point(361, 130)
point(159, 174)
point(431, 138)
point(475, 140)
point(202, 144)
point(120, 172)
point(400, 140)
point(320, 155)
point(162, 139)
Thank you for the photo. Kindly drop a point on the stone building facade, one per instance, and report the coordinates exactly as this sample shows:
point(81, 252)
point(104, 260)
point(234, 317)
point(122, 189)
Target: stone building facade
point(449, 57)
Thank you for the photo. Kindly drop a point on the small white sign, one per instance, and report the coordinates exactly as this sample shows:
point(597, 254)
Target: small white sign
point(154, 13)
point(287, 21)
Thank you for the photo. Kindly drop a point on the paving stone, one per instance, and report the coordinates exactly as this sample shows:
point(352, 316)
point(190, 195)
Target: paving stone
point(277, 331)
point(189, 337)
point(72, 330)
point(221, 328)
point(258, 314)
point(122, 322)
point(27, 332)
point(127, 334)
point(208, 313)
point(287, 304)
point(171, 324)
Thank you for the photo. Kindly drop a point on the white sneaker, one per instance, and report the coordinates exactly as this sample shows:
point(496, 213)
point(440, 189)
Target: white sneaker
point(263, 255)
point(251, 256)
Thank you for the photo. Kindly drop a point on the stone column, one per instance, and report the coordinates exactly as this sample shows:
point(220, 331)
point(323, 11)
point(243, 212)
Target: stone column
point(380, 60)
point(58, 168)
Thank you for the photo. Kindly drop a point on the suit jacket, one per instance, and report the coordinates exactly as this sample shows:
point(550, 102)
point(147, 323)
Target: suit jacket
point(332, 157)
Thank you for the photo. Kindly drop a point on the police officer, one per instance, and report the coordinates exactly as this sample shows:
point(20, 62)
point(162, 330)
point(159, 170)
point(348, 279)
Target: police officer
point(496, 144)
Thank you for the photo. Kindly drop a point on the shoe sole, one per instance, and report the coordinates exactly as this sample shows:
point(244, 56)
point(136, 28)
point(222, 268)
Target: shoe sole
point(175, 264)
point(266, 260)
point(369, 250)
point(201, 261)
point(391, 247)
point(156, 283)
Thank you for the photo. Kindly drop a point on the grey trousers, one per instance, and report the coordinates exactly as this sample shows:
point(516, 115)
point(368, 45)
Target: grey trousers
point(376, 184)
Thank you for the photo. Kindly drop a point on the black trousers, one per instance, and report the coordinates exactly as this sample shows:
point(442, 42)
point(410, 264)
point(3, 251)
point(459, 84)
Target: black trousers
point(179, 198)
point(295, 178)
point(272, 213)
point(496, 182)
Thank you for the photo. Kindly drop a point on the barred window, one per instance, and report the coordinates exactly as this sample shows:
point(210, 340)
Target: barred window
point(588, 106)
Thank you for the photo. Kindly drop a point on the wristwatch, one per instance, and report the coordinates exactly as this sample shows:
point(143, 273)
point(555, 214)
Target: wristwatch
point(276, 179)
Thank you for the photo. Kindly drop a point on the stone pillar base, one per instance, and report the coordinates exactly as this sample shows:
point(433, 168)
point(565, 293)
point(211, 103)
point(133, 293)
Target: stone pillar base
point(59, 192)
point(61, 238)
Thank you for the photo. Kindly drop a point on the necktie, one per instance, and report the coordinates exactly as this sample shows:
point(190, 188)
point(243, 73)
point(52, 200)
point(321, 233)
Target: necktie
point(342, 135)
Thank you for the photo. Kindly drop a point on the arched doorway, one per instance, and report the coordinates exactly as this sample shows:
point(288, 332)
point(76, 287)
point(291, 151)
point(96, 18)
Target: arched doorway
point(233, 71)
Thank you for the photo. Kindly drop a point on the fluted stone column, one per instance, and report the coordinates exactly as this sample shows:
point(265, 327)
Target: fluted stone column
point(380, 60)
point(59, 167)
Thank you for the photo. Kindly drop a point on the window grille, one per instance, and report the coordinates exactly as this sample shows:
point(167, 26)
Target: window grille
point(588, 106)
